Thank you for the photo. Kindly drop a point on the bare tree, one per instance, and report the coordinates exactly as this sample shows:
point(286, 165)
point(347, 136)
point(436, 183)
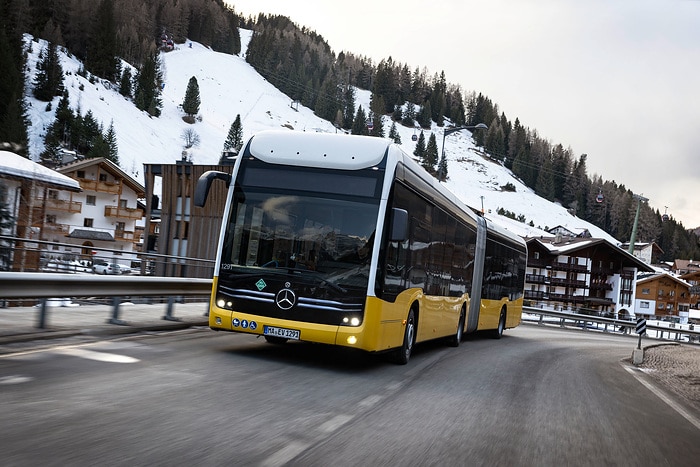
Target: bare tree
point(191, 138)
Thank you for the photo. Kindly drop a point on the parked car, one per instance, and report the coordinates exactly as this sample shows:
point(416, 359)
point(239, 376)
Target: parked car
point(104, 267)
point(121, 269)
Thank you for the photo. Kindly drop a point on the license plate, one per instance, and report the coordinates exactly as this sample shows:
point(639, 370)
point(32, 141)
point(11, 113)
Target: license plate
point(281, 332)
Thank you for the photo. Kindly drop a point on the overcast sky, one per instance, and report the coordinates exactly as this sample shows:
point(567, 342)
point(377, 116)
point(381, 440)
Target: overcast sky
point(618, 80)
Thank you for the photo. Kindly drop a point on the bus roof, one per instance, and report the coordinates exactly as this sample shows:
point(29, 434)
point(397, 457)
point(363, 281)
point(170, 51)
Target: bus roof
point(313, 149)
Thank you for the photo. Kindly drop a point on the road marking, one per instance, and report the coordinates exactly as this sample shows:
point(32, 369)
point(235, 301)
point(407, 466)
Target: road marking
point(334, 423)
point(670, 402)
point(286, 454)
point(15, 379)
point(97, 356)
point(369, 401)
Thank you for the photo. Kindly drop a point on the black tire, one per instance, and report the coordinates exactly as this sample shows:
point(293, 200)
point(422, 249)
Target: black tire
point(403, 353)
point(275, 340)
point(498, 332)
point(453, 341)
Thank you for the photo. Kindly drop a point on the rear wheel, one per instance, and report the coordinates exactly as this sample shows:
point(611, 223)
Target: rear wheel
point(498, 332)
point(455, 339)
point(403, 353)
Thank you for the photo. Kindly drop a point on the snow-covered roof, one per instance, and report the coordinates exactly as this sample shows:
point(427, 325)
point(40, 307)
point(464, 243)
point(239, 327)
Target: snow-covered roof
point(14, 165)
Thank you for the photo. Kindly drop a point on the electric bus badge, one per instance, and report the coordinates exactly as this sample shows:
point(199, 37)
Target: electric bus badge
point(285, 299)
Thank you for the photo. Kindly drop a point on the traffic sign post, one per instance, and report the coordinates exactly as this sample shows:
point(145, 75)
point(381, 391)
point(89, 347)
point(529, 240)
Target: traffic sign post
point(641, 329)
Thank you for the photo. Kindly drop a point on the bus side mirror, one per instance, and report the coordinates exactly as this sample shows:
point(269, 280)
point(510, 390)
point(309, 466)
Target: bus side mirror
point(399, 225)
point(201, 192)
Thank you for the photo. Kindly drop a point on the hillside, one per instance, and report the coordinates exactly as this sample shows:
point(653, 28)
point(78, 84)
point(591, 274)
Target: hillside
point(229, 86)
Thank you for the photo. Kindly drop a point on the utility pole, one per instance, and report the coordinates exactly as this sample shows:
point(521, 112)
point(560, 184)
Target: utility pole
point(633, 237)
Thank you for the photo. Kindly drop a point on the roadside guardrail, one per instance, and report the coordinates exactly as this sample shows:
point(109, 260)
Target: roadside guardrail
point(585, 322)
point(45, 286)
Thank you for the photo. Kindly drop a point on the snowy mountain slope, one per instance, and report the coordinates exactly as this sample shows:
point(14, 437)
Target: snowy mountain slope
point(229, 86)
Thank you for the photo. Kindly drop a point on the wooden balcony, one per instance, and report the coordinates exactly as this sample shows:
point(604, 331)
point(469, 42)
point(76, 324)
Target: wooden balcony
point(64, 205)
point(102, 187)
point(557, 266)
point(123, 213)
point(125, 236)
point(62, 229)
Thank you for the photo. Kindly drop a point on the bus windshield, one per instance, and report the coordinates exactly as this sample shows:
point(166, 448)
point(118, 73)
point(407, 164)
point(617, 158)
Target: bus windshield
point(323, 238)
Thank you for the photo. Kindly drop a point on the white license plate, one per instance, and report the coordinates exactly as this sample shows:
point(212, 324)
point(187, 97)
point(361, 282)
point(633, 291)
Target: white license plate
point(281, 332)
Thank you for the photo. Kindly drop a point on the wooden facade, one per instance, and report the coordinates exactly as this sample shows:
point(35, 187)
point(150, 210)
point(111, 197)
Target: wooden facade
point(663, 296)
point(186, 233)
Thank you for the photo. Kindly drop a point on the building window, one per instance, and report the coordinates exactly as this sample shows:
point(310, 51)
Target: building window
point(87, 222)
point(645, 291)
point(122, 203)
point(660, 306)
point(185, 226)
point(537, 255)
point(672, 293)
point(644, 305)
point(103, 177)
point(661, 292)
point(80, 174)
point(91, 200)
point(669, 306)
point(50, 219)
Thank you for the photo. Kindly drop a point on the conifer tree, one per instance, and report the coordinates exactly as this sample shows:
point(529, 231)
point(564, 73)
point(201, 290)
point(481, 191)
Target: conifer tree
point(348, 107)
point(431, 154)
point(148, 87)
point(101, 59)
point(442, 168)
point(190, 105)
point(409, 115)
point(98, 147)
point(419, 151)
point(425, 116)
point(111, 139)
point(397, 114)
point(49, 78)
point(359, 126)
point(125, 84)
point(377, 125)
point(50, 156)
point(394, 134)
point(234, 140)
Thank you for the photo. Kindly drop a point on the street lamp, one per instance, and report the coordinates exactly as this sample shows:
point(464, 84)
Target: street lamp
point(449, 131)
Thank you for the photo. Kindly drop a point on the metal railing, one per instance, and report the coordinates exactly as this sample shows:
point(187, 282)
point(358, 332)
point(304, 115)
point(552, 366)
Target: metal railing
point(44, 286)
point(585, 322)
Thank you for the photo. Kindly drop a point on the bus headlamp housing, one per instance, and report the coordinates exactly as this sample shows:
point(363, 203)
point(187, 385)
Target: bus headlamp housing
point(351, 321)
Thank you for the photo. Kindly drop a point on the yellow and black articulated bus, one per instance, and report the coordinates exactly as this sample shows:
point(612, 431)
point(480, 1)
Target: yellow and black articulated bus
point(346, 240)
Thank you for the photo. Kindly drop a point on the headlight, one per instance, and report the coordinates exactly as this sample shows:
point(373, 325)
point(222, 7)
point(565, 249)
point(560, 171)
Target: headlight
point(351, 321)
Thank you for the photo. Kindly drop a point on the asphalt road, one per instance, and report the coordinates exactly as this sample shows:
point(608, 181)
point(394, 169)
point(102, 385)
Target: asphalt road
point(538, 396)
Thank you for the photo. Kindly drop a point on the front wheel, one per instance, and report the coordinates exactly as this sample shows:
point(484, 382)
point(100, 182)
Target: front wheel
point(403, 353)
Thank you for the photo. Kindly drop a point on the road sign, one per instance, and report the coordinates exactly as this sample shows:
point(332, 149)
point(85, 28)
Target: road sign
point(641, 326)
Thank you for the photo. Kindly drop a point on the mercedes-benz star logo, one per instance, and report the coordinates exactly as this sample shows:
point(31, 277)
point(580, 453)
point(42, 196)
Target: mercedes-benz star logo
point(285, 299)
